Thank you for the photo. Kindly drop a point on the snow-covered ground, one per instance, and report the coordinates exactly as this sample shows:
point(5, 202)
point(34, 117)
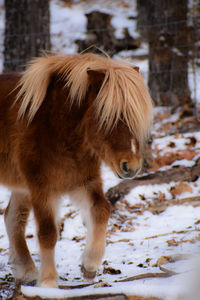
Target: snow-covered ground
point(137, 238)
point(135, 242)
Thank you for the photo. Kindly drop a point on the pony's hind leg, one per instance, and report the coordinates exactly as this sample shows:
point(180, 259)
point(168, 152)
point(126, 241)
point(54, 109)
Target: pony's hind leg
point(45, 215)
point(16, 215)
point(95, 211)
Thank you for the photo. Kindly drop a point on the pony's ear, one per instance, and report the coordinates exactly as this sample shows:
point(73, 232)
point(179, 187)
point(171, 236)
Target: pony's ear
point(96, 77)
point(136, 68)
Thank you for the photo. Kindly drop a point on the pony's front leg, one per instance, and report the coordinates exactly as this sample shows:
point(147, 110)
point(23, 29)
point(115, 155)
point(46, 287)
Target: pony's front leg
point(45, 216)
point(96, 220)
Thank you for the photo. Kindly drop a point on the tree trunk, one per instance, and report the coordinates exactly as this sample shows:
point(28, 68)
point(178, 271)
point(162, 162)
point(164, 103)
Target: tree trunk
point(164, 26)
point(26, 32)
point(101, 34)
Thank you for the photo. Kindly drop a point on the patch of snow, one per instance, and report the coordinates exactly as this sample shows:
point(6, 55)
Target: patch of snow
point(183, 162)
point(193, 79)
point(148, 192)
point(120, 22)
point(67, 25)
point(109, 178)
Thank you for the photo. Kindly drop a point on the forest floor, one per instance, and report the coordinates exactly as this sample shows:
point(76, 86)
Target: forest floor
point(153, 237)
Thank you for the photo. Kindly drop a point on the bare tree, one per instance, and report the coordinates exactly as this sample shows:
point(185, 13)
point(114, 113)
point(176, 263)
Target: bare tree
point(164, 26)
point(26, 32)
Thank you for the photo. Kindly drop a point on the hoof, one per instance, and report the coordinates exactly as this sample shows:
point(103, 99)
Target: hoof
point(31, 277)
point(27, 277)
point(48, 283)
point(88, 274)
point(30, 283)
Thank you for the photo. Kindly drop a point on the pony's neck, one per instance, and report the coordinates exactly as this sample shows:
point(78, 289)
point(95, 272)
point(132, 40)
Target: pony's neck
point(59, 117)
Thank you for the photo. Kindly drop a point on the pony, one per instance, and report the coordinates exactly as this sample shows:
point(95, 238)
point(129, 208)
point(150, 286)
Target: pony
point(58, 122)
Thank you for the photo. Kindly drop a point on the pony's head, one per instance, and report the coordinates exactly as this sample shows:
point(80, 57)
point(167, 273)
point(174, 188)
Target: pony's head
point(118, 148)
point(119, 115)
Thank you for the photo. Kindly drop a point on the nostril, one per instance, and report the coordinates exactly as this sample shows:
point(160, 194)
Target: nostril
point(125, 167)
point(146, 164)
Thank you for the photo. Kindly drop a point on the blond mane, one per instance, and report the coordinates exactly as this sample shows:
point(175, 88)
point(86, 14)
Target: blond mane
point(123, 93)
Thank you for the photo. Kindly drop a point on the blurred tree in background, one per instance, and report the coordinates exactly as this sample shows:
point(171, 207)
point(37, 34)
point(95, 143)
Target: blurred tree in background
point(26, 32)
point(171, 29)
point(164, 26)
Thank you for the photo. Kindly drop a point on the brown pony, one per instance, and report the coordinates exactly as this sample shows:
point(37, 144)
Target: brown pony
point(58, 121)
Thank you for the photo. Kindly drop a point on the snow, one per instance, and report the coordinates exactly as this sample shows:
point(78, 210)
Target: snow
point(125, 250)
point(181, 141)
point(67, 25)
point(120, 21)
point(193, 78)
point(147, 289)
point(174, 219)
point(148, 192)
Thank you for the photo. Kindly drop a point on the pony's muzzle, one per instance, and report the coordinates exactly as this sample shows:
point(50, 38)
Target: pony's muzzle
point(127, 171)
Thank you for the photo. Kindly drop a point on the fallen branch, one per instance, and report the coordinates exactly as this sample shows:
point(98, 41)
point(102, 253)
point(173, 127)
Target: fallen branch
point(174, 174)
point(166, 273)
point(170, 272)
point(79, 286)
point(172, 232)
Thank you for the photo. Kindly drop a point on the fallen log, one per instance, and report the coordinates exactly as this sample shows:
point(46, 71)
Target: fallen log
point(181, 173)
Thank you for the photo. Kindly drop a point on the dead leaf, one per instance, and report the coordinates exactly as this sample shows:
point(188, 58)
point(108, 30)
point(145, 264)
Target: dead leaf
point(111, 271)
point(192, 141)
point(142, 197)
point(186, 154)
point(185, 112)
point(171, 145)
point(162, 261)
point(78, 238)
point(2, 211)
point(162, 116)
point(124, 4)
point(138, 205)
point(102, 284)
point(172, 242)
point(29, 236)
point(167, 127)
point(180, 188)
point(170, 157)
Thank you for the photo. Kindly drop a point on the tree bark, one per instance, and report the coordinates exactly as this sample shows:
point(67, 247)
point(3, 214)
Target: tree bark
point(26, 32)
point(164, 26)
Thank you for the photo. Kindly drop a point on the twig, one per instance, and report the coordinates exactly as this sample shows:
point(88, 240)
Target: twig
point(79, 286)
point(172, 232)
point(148, 275)
point(168, 271)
